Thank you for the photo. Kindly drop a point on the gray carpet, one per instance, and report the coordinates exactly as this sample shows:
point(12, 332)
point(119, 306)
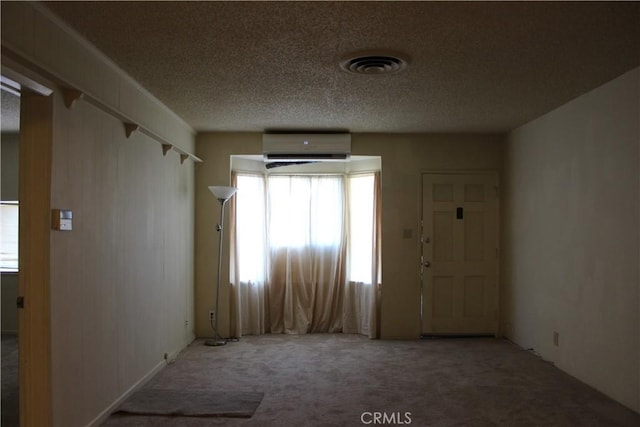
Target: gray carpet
point(9, 408)
point(342, 380)
point(192, 403)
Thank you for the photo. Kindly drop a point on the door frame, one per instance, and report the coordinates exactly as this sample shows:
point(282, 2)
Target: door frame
point(496, 174)
point(34, 234)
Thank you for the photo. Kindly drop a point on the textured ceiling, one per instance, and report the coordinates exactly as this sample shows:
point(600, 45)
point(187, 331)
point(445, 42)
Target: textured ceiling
point(10, 119)
point(255, 66)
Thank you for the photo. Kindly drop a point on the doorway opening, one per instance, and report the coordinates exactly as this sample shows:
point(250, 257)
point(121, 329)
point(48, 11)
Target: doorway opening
point(9, 208)
point(30, 184)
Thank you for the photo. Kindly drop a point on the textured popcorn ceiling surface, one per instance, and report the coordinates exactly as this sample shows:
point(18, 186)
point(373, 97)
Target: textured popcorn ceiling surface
point(10, 119)
point(255, 66)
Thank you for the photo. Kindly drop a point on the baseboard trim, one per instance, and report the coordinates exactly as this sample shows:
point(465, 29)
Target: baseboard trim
point(102, 417)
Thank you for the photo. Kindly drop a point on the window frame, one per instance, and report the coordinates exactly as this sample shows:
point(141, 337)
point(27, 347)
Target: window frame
point(9, 256)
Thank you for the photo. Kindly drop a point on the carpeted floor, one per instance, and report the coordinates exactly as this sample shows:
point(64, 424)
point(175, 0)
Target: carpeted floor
point(9, 367)
point(349, 380)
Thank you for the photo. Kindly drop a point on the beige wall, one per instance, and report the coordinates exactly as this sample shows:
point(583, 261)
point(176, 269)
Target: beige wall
point(9, 167)
point(9, 285)
point(122, 280)
point(571, 238)
point(9, 191)
point(403, 159)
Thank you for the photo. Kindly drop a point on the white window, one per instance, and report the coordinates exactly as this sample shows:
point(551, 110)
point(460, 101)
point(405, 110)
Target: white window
point(250, 227)
point(9, 236)
point(305, 210)
point(297, 211)
point(361, 215)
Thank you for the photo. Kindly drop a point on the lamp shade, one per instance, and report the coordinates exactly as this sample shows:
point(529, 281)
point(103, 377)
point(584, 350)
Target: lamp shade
point(223, 193)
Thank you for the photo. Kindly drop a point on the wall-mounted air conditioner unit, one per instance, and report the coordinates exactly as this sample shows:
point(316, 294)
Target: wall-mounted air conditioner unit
point(306, 147)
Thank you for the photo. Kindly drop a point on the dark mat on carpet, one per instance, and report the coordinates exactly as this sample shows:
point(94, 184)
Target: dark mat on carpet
point(192, 403)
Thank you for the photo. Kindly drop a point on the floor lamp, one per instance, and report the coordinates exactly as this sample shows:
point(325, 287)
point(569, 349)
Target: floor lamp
point(223, 194)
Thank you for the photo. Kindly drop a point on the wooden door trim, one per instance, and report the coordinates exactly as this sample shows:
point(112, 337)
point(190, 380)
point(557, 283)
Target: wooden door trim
point(34, 320)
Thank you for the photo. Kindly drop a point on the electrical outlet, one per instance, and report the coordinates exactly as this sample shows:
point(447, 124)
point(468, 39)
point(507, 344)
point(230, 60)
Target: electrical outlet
point(212, 314)
point(556, 338)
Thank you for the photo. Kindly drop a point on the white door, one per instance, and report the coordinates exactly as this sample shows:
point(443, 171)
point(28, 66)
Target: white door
point(459, 253)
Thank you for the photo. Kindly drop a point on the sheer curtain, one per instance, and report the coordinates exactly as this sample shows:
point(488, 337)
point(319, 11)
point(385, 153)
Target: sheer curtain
point(363, 285)
point(296, 265)
point(249, 293)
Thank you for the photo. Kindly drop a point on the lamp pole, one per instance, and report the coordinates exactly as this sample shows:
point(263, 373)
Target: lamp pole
point(223, 194)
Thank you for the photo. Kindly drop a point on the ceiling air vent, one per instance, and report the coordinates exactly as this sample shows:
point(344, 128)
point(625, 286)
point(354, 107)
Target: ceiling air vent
point(374, 64)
